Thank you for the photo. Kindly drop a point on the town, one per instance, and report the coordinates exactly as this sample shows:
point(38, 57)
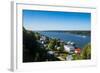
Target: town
point(58, 48)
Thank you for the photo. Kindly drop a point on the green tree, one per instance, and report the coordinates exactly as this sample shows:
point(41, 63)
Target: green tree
point(52, 44)
point(61, 47)
point(86, 52)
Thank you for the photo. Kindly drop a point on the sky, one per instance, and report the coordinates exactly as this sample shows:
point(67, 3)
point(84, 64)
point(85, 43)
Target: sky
point(54, 20)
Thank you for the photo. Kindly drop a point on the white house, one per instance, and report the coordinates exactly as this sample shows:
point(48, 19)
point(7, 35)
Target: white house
point(68, 48)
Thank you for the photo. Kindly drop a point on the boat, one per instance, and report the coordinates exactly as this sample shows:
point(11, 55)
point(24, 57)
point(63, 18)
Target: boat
point(84, 36)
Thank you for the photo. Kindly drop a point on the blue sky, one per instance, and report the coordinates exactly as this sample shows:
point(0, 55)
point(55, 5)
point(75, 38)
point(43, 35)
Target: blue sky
point(52, 20)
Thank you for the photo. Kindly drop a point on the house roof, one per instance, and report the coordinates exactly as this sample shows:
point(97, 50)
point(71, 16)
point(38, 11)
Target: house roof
point(68, 47)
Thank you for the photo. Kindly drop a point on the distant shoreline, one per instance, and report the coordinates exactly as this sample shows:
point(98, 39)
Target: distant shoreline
point(77, 32)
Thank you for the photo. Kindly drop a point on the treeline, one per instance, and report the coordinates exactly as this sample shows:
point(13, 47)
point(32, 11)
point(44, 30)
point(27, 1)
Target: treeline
point(83, 33)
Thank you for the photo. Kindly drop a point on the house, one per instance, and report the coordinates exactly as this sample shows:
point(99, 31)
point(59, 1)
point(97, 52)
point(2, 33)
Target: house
point(77, 50)
point(43, 39)
point(69, 48)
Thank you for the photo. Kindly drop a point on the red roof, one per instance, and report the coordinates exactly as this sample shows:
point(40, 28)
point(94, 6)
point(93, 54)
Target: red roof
point(78, 50)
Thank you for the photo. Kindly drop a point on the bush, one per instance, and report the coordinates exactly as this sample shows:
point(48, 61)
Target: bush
point(86, 52)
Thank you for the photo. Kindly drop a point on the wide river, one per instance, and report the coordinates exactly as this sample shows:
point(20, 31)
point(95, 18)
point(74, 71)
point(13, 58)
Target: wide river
point(79, 40)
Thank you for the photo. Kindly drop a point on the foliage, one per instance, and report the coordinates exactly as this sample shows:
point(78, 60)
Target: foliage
point(61, 47)
point(86, 53)
point(52, 44)
point(37, 35)
point(86, 33)
point(76, 56)
point(31, 48)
